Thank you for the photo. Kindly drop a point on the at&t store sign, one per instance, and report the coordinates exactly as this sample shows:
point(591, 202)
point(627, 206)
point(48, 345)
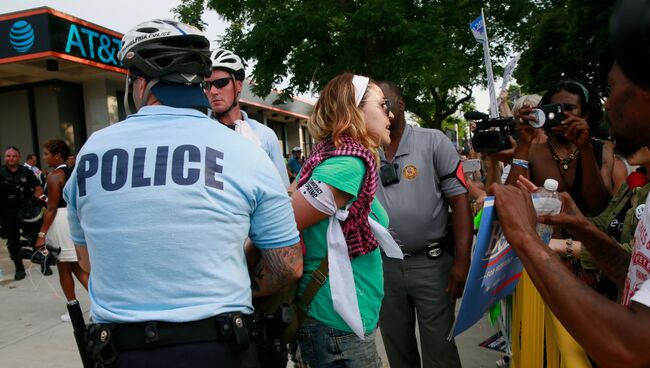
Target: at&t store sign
point(45, 32)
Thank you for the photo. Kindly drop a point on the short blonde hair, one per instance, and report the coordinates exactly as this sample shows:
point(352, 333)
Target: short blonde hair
point(336, 113)
point(529, 100)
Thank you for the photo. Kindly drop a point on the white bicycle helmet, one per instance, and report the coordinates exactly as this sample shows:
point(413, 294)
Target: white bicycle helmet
point(227, 60)
point(170, 52)
point(167, 50)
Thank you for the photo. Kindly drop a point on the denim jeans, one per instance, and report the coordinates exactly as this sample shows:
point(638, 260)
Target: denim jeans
point(321, 346)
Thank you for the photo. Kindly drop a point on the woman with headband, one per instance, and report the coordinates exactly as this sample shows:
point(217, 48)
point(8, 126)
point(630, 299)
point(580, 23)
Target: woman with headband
point(582, 165)
point(342, 225)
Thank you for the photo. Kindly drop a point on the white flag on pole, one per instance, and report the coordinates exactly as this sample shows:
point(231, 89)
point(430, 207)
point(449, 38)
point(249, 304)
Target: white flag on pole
point(508, 69)
point(479, 30)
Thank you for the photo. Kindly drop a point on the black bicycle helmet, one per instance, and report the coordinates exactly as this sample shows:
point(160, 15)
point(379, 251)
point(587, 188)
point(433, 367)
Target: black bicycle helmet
point(167, 50)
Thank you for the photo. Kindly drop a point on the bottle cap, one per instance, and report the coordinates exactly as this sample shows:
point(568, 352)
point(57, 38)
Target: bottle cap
point(551, 185)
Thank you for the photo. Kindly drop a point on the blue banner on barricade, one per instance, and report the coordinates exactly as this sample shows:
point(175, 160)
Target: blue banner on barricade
point(493, 274)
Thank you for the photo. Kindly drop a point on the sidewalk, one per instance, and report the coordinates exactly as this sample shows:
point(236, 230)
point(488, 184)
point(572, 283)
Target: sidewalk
point(32, 334)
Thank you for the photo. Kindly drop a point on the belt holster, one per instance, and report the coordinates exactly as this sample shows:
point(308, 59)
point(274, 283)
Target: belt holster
point(100, 343)
point(240, 334)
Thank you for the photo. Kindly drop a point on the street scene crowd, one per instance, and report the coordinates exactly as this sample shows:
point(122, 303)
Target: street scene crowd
point(200, 245)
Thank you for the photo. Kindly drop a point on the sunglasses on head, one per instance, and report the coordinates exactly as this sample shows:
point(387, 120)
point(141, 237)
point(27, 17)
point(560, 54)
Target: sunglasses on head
point(384, 103)
point(217, 83)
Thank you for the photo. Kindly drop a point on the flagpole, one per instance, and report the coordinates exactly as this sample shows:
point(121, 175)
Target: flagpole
point(494, 112)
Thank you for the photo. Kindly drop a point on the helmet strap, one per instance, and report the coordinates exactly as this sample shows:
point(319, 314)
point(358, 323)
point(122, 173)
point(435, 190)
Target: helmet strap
point(127, 107)
point(145, 96)
point(147, 91)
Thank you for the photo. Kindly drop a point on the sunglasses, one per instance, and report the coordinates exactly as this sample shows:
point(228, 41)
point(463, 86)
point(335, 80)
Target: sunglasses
point(217, 83)
point(384, 103)
point(132, 78)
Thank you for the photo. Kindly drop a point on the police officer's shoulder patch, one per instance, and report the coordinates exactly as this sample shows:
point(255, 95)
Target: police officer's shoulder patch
point(410, 172)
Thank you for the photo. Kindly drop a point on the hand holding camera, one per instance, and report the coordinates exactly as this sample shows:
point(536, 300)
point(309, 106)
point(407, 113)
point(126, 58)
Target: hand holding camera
point(575, 129)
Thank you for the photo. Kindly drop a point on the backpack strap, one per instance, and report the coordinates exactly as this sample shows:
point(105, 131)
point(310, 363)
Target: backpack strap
point(317, 280)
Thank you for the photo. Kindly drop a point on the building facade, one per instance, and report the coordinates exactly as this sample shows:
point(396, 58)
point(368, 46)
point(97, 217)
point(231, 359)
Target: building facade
point(60, 78)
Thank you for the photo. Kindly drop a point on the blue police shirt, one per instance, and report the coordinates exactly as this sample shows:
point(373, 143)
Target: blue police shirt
point(164, 201)
point(270, 144)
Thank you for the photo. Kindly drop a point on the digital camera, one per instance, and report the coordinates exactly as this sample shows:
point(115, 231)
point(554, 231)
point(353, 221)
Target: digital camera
point(491, 134)
point(547, 116)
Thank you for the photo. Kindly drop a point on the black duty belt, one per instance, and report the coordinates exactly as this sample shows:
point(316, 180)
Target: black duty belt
point(224, 328)
point(433, 250)
point(105, 341)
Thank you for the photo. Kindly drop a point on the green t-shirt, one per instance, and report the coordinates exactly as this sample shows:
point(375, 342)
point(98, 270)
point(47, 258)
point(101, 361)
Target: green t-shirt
point(344, 173)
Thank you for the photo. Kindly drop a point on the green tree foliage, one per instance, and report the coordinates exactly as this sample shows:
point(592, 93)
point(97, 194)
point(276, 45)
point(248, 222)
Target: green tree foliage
point(569, 41)
point(450, 122)
point(424, 46)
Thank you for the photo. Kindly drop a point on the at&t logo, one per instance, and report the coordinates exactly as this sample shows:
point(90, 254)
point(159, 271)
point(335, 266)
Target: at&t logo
point(21, 36)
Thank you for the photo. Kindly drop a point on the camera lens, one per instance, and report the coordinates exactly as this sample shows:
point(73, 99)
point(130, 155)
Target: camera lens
point(540, 116)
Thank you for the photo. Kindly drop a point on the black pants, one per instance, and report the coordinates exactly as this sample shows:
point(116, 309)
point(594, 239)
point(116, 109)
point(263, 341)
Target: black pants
point(11, 229)
point(197, 355)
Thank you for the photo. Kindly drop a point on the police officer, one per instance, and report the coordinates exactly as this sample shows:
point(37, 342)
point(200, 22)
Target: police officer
point(421, 178)
point(159, 207)
point(223, 88)
point(17, 186)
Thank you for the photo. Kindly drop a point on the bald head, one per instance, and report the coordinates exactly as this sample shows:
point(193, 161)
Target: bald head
point(12, 157)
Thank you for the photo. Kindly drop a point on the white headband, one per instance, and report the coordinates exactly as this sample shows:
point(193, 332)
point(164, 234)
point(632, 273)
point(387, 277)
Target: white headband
point(360, 84)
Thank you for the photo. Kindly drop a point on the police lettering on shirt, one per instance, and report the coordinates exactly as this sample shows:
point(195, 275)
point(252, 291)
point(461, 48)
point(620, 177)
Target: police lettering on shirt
point(113, 167)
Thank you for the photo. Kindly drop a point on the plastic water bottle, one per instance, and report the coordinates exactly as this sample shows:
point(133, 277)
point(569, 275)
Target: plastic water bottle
point(547, 202)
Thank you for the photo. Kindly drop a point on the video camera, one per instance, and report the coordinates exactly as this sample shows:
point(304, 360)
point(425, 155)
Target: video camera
point(491, 134)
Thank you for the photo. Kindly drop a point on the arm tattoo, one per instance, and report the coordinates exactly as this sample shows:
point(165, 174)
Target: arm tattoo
point(257, 275)
point(276, 269)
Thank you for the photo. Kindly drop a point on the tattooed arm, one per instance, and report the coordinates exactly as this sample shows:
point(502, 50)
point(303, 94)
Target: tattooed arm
point(277, 268)
point(613, 335)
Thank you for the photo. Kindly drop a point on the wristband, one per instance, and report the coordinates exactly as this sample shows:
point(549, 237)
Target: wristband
point(520, 163)
point(41, 235)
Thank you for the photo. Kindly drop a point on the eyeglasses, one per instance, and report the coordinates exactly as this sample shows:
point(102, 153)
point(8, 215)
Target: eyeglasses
point(217, 83)
point(385, 105)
